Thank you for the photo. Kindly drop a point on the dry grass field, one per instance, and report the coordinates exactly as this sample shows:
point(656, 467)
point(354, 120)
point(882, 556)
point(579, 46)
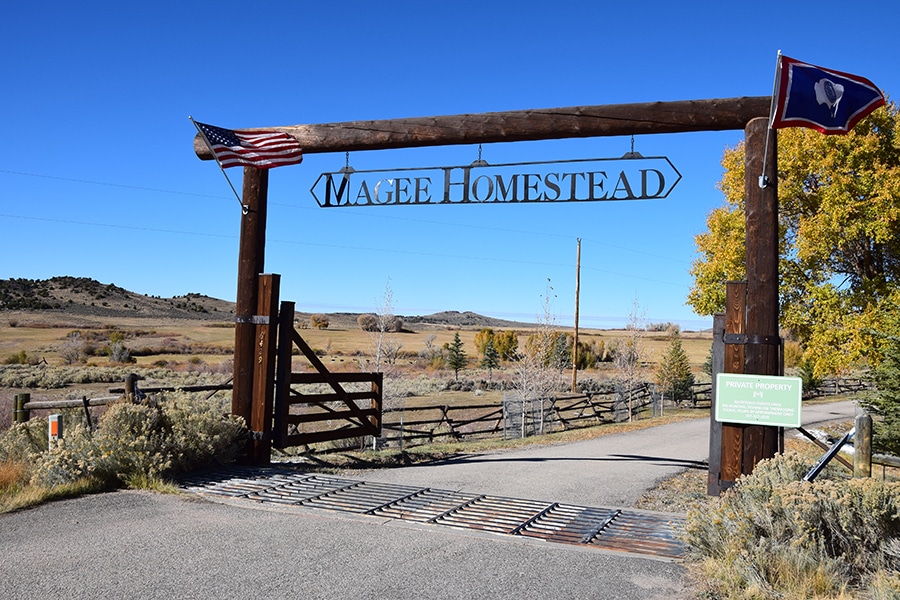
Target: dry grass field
point(184, 341)
point(194, 334)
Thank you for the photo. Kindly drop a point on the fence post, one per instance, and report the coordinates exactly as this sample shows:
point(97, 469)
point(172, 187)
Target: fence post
point(20, 413)
point(862, 446)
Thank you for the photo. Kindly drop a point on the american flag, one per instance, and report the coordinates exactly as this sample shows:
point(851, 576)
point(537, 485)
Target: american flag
point(263, 149)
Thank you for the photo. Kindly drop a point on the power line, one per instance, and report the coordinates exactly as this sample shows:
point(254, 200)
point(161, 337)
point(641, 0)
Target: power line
point(336, 246)
point(107, 184)
point(117, 226)
point(494, 228)
point(366, 215)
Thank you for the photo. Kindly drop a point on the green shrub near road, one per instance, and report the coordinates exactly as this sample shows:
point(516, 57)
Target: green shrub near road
point(774, 536)
point(133, 445)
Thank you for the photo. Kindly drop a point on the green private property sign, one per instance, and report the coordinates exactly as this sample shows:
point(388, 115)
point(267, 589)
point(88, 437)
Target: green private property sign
point(758, 399)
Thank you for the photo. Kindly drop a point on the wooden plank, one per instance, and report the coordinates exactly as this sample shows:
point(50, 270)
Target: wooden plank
point(330, 378)
point(264, 368)
point(327, 416)
point(733, 434)
point(324, 436)
point(283, 374)
point(713, 485)
point(59, 404)
point(377, 403)
point(300, 398)
point(524, 125)
point(310, 378)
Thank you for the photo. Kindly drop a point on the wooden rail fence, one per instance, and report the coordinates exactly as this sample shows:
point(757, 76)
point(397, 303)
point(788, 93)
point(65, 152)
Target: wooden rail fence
point(443, 422)
point(431, 423)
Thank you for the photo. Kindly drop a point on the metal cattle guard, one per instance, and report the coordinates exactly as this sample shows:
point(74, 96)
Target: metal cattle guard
point(749, 113)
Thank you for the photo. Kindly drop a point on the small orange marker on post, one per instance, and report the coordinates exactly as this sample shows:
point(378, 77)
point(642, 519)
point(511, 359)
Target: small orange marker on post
point(54, 428)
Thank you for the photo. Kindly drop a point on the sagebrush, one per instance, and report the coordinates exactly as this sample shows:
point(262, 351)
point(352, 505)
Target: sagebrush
point(775, 536)
point(131, 442)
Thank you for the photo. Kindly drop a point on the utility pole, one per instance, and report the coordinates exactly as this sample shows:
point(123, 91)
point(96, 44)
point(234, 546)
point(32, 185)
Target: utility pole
point(575, 341)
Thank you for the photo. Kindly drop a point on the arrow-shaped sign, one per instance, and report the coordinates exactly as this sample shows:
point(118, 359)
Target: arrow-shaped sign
point(582, 180)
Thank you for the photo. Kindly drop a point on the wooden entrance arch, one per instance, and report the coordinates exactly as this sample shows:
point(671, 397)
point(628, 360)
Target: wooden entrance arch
point(734, 449)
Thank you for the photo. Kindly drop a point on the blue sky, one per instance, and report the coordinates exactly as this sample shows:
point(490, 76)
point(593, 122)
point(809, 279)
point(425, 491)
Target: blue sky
point(98, 177)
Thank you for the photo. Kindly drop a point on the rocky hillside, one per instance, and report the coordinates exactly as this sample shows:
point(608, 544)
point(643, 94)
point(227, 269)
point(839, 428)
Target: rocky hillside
point(82, 296)
point(85, 298)
point(454, 318)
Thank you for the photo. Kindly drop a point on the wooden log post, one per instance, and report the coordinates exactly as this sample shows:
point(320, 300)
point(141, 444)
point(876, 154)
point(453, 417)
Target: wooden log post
point(251, 263)
point(763, 348)
point(264, 369)
point(20, 413)
point(283, 373)
point(732, 434)
point(862, 446)
point(752, 343)
point(713, 485)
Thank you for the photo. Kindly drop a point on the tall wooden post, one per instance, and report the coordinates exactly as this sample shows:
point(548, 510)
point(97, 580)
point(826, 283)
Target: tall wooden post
point(732, 434)
point(714, 476)
point(264, 368)
point(577, 298)
point(763, 348)
point(251, 263)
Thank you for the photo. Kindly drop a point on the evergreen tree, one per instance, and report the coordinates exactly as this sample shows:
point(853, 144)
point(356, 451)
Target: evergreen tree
point(884, 402)
point(490, 358)
point(673, 373)
point(456, 356)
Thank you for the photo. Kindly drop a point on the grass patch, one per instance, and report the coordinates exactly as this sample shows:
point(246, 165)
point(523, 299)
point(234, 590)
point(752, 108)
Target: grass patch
point(25, 495)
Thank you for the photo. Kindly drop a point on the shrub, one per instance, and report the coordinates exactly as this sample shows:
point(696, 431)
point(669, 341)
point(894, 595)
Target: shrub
point(132, 443)
point(367, 322)
point(24, 442)
point(74, 349)
point(793, 354)
point(773, 535)
point(21, 358)
point(118, 353)
point(591, 353)
point(395, 324)
point(319, 321)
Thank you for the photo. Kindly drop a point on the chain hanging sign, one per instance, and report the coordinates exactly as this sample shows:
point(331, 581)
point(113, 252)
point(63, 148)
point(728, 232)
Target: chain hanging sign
point(581, 180)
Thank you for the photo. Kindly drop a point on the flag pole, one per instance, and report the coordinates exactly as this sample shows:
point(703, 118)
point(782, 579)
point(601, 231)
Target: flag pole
point(244, 207)
point(763, 180)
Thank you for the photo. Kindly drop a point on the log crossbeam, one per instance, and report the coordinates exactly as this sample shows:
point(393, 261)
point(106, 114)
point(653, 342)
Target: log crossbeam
point(524, 125)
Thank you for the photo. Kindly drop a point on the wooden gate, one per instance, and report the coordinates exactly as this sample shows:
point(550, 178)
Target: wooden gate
point(317, 407)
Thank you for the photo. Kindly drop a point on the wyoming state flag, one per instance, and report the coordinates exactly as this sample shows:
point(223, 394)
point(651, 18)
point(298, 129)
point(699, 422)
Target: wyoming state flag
point(828, 101)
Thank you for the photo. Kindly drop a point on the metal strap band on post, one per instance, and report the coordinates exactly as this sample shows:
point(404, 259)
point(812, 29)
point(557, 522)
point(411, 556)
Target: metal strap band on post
point(254, 320)
point(742, 339)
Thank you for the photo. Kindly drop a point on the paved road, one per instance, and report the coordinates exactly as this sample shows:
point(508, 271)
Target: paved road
point(612, 470)
point(143, 545)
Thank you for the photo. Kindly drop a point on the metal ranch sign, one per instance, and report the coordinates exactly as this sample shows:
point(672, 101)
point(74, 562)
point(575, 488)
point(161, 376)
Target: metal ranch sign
point(581, 180)
point(758, 399)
